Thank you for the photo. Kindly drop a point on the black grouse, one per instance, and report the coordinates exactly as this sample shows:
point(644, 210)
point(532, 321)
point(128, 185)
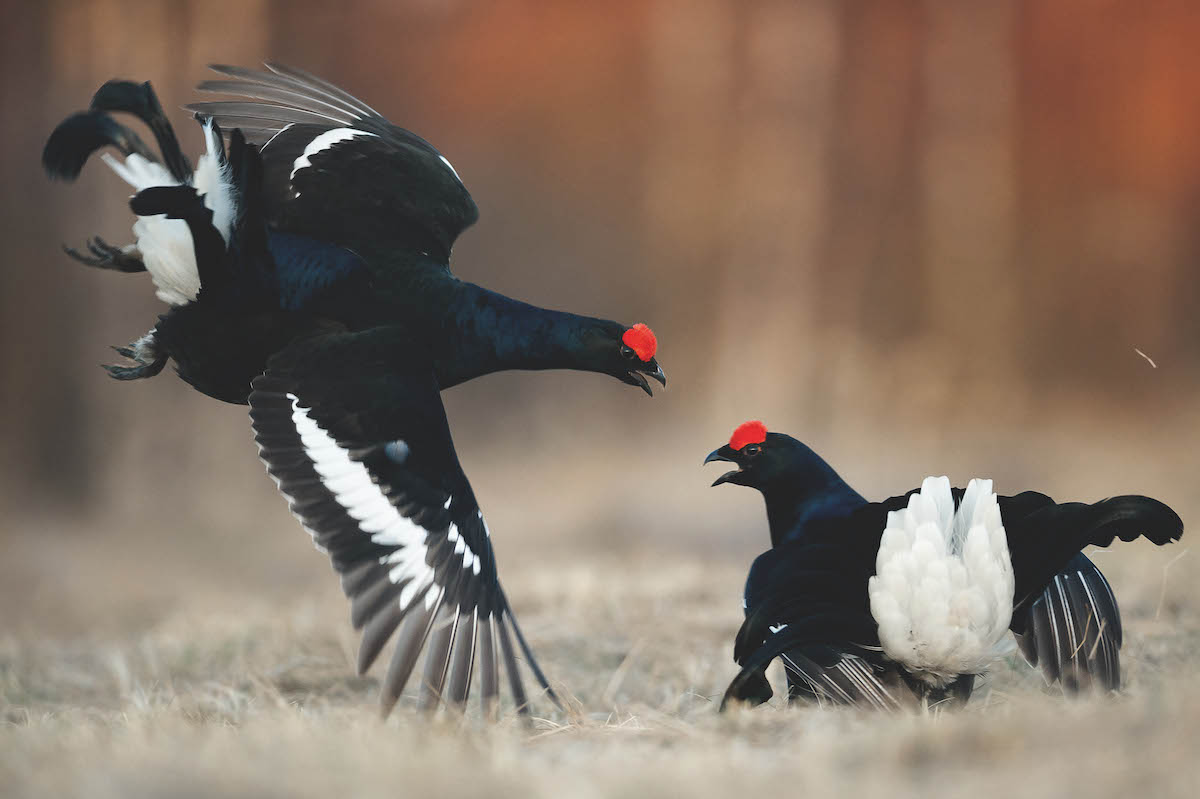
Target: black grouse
point(885, 604)
point(307, 270)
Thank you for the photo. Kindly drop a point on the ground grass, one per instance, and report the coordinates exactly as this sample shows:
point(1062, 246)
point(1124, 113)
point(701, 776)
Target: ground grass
point(236, 694)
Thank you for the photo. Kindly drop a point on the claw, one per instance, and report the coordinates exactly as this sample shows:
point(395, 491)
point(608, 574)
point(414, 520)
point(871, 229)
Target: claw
point(144, 352)
point(149, 369)
point(105, 256)
point(127, 372)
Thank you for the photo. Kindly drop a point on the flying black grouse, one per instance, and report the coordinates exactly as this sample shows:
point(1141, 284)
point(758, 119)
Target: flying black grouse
point(884, 603)
point(307, 270)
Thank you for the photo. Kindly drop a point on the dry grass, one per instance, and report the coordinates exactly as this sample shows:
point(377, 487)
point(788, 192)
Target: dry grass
point(182, 638)
point(229, 693)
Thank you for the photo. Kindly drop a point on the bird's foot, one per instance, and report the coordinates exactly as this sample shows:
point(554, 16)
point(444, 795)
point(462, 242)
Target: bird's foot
point(105, 256)
point(145, 353)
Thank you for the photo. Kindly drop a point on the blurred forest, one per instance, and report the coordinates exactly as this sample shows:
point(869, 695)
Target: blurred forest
point(924, 236)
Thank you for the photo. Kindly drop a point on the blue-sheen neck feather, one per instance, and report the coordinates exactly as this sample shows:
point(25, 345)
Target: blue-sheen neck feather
point(490, 332)
point(814, 492)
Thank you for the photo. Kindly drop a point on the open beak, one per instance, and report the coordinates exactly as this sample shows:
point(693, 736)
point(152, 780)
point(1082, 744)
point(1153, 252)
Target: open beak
point(718, 455)
point(636, 378)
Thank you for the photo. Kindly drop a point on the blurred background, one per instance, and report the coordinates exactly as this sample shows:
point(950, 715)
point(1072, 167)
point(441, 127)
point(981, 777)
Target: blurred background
point(925, 237)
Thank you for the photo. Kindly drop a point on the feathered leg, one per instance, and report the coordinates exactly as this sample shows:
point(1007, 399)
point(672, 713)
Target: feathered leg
point(146, 353)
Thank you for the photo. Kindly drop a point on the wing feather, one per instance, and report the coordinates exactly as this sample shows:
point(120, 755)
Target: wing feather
point(337, 171)
point(409, 644)
point(399, 523)
point(463, 662)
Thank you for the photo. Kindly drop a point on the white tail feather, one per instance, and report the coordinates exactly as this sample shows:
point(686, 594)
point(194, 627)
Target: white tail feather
point(212, 180)
point(166, 244)
point(943, 588)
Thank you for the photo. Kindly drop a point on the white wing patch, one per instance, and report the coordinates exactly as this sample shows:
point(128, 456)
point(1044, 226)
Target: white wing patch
point(323, 142)
point(166, 244)
point(943, 590)
point(364, 501)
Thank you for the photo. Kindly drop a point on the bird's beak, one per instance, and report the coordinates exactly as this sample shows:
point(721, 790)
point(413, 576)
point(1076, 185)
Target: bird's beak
point(718, 455)
point(636, 378)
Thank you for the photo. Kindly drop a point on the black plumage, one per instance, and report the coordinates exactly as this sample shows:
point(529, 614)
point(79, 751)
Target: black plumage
point(308, 275)
point(1072, 631)
point(806, 599)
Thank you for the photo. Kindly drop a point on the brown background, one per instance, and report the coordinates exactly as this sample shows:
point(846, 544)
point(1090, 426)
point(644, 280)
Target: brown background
point(925, 237)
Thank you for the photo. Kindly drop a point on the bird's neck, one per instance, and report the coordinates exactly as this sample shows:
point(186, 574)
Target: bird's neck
point(486, 332)
point(790, 513)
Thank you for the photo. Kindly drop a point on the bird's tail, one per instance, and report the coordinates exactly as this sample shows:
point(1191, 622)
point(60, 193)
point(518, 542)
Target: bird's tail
point(163, 246)
point(943, 589)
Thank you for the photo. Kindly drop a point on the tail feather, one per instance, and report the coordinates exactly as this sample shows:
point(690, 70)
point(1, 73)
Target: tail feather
point(246, 184)
point(163, 246)
point(943, 589)
point(208, 247)
point(139, 99)
point(80, 135)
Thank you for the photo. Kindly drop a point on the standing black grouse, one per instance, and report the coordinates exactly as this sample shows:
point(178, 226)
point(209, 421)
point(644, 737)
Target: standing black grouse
point(307, 269)
point(885, 603)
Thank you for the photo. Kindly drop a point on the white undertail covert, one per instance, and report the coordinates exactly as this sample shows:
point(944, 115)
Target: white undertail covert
point(942, 593)
point(166, 244)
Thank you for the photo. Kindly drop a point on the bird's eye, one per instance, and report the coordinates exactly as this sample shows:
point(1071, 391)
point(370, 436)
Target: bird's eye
point(627, 352)
point(750, 450)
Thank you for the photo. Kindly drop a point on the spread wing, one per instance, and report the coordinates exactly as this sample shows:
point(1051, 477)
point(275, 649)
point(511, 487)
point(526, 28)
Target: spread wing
point(354, 433)
point(805, 605)
point(1065, 615)
point(820, 665)
point(336, 170)
point(1073, 630)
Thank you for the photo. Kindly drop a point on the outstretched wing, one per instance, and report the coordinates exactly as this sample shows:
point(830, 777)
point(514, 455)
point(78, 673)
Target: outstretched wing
point(805, 605)
point(825, 570)
point(820, 667)
point(354, 433)
point(1065, 616)
point(338, 171)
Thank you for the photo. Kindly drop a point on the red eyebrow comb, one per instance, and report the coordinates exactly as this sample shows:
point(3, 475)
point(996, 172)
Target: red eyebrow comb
point(754, 432)
point(641, 340)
